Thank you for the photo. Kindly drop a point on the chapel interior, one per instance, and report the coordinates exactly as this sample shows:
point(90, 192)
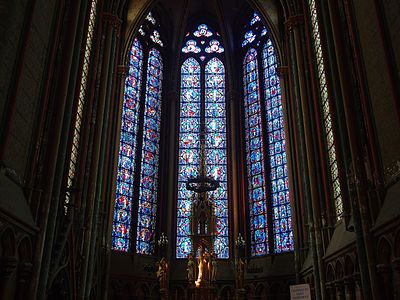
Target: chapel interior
point(200, 149)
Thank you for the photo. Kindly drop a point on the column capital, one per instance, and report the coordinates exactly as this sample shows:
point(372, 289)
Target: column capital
point(294, 21)
point(24, 271)
point(396, 264)
point(7, 266)
point(383, 268)
point(122, 70)
point(112, 19)
point(282, 71)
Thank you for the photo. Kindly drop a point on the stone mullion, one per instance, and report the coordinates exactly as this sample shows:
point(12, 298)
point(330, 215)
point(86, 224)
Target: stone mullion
point(267, 156)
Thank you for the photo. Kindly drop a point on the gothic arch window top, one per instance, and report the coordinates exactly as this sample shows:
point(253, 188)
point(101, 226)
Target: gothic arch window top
point(151, 28)
point(202, 42)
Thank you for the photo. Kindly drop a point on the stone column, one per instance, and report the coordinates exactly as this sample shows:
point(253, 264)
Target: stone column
point(358, 179)
point(385, 272)
point(294, 25)
point(339, 290)
point(24, 276)
point(110, 29)
point(330, 291)
point(357, 287)
point(8, 265)
point(396, 281)
point(349, 288)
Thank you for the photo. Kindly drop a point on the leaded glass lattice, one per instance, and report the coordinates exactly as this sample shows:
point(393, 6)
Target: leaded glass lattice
point(127, 149)
point(189, 150)
point(202, 106)
point(323, 93)
point(256, 180)
point(147, 207)
point(76, 138)
point(215, 149)
point(267, 172)
point(279, 179)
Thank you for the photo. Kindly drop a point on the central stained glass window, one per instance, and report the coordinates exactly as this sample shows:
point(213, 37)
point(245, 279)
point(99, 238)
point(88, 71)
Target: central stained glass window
point(202, 101)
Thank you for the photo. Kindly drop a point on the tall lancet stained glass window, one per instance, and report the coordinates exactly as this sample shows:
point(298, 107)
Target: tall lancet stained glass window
point(121, 233)
point(150, 155)
point(202, 101)
point(141, 109)
point(268, 181)
point(323, 92)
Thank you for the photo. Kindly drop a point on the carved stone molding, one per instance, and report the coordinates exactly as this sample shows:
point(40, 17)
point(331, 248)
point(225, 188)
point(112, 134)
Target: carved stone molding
point(392, 173)
point(122, 70)
point(24, 272)
point(7, 266)
point(396, 264)
point(113, 20)
point(383, 268)
point(294, 21)
point(282, 71)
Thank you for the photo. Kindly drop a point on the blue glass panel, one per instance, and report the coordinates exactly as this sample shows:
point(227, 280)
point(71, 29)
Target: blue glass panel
point(283, 236)
point(254, 156)
point(150, 156)
point(215, 148)
point(189, 149)
point(127, 150)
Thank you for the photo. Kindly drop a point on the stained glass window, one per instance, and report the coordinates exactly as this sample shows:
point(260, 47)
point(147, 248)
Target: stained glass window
point(202, 102)
point(127, 149)
point(215, 149)
point(249, 37)
point(155, 37)
point(267, 174)
point(141, 108)
point(256, 18)
point(191, 47)
point(255, 156)
point(214, 47)
point(81, 104)
point(279, 179)
point(323, 91)
point(189, 150)
point(202, 30)
point(149, 165)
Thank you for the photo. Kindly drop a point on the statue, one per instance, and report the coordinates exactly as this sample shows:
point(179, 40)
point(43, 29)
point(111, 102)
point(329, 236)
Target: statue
point(202, 263)
point(191, 268)
point(240, 273)
point(162, 273)
point(212, 267)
